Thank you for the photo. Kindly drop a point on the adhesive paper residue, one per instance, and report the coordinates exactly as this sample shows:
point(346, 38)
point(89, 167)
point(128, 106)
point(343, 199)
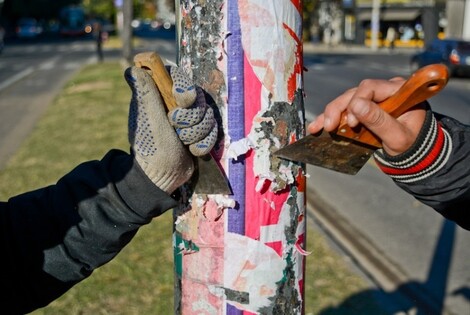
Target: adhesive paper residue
point(273, 76)
point(201, 223)
point(272, 129)
point(251, 269)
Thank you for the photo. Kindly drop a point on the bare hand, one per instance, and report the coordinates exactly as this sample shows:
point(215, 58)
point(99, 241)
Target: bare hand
point(360, 103)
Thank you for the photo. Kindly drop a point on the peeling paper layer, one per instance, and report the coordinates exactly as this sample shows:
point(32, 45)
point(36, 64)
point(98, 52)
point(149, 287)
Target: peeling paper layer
point(272, 128)
point(275, 62)
point(260, 272)
point(251, 267)
point(270, 54)
point(239, 148)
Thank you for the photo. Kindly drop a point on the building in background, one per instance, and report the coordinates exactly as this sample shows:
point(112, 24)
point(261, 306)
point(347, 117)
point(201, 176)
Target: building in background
point(414, 23)
point(459, 25)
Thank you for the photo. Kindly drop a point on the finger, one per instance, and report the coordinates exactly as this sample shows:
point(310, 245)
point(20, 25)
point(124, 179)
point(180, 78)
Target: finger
point(335, 108)
point(388, 129)
point(199, 131)
point(184, 89)
point(146, 113)
point(316, 125)
point(187, 117)
point(205, 145)
point(378, 90)
point(371, 90)
point(397, 79)
point(351, 120)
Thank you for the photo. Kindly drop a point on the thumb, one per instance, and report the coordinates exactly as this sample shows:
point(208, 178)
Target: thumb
point(158, 150)
point(374, 118)
point(148, 124)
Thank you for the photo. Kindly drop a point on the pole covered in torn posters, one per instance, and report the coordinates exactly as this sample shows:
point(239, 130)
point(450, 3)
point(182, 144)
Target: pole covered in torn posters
point(245, 253)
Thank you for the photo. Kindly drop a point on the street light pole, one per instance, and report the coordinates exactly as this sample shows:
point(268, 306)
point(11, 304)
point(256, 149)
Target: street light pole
point(466, 21)
point(126, 35)
point(244, 253)
point(375, 25)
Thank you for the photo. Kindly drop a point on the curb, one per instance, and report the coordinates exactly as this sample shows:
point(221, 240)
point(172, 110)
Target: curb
point(320, 48)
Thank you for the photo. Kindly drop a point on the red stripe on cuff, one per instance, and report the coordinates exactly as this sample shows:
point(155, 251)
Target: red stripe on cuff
point(425, 163)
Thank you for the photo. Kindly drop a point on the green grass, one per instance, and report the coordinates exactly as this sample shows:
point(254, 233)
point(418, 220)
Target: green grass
point(87, 119)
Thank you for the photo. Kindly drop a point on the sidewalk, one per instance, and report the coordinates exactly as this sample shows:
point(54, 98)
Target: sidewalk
point(321, 48)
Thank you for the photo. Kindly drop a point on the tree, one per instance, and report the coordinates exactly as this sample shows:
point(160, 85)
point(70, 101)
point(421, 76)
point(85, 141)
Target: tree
point(309, 7)
point(100, 8)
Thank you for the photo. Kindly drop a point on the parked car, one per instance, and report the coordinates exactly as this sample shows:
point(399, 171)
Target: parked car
point(28, 28)
point(454, 53)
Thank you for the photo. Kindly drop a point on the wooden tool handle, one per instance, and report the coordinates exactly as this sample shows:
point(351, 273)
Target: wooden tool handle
point(423, 84)
point(152, 62)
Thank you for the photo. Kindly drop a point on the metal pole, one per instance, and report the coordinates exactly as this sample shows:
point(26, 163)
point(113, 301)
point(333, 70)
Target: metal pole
point(126, 35)
point(466, 21)
point(244, 254)
point(375, 25)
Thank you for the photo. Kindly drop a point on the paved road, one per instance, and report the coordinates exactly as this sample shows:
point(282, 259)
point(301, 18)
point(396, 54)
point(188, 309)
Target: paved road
point(423, 252)
point(31, 75)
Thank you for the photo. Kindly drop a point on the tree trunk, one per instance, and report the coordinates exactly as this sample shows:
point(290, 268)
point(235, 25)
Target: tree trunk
point(244, 253)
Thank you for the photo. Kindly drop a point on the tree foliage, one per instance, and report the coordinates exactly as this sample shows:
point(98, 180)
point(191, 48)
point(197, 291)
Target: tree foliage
point(309, 7)
point(49, 9)
point(39, 9)
point(100, 8)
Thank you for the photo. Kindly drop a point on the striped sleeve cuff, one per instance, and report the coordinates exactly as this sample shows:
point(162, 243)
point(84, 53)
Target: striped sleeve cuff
point(428, 154)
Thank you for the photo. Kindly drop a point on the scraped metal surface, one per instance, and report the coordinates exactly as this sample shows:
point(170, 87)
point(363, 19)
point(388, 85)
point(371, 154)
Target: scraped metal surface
point(328, 151)
point(208, 178)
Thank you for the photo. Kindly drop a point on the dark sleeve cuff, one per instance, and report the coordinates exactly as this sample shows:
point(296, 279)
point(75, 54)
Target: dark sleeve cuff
point(136, 189)
point(428, 155)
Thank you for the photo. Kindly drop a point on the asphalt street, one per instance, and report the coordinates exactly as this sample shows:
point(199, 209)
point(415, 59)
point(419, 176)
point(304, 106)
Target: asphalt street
point(31, 75)
point(401, 244)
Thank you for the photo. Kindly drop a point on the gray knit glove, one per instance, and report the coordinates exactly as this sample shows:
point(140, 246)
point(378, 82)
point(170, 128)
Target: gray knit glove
point(157, 148)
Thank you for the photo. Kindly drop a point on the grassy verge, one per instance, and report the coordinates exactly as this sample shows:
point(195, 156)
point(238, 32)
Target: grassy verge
point(85, 120)
point(114, 42)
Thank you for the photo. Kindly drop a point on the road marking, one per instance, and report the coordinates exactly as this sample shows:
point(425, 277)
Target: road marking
point(48, 64)
point(16, 77)
point(72, 65)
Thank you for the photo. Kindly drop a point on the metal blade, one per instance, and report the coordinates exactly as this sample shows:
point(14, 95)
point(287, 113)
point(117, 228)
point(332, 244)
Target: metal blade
point(208, 178)
point(329, 151)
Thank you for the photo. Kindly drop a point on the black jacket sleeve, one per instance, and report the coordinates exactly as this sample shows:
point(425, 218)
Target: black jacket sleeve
point(436, 169)
point(56, 236)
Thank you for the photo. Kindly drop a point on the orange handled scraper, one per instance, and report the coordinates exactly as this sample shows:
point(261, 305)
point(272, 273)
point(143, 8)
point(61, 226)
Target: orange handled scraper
point(346, 150)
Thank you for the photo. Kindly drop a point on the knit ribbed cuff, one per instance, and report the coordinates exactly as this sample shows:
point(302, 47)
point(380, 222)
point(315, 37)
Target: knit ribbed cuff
point(429, 154)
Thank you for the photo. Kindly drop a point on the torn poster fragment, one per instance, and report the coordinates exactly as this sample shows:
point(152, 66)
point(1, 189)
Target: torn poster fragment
point(273, 128)
point(253, 269)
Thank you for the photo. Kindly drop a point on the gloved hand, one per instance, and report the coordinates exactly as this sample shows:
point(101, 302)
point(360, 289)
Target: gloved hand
point(158, 149)
point(193, 119)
